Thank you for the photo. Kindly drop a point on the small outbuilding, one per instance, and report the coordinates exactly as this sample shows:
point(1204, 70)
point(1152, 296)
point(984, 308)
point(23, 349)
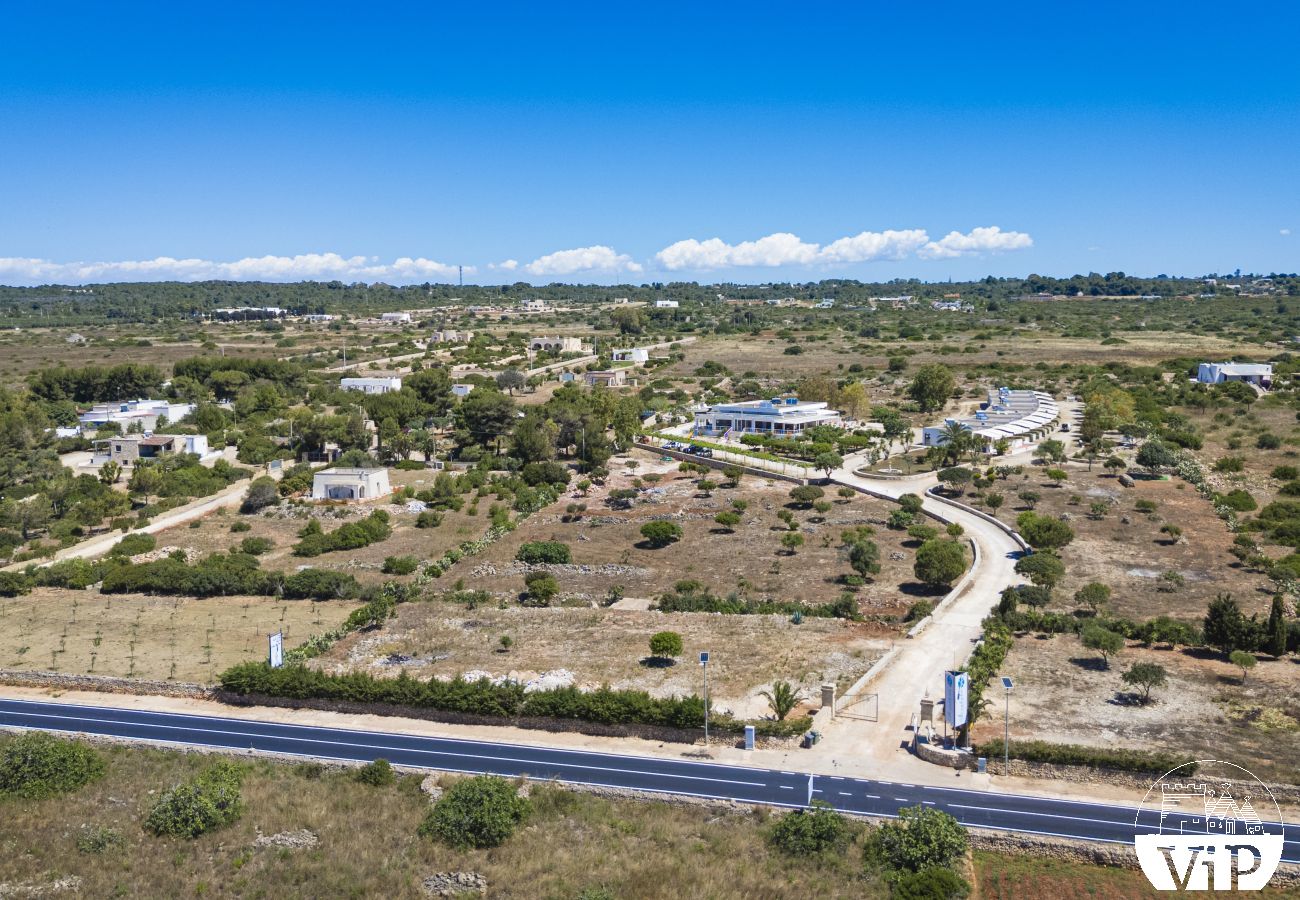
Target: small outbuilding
point(350, 484)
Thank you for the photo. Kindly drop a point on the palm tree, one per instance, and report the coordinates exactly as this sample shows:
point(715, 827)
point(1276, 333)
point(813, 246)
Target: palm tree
point(783, 698)
point(954, 440)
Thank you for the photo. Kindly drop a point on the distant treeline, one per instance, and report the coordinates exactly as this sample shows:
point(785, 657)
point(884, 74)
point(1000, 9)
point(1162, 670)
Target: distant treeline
point(151, 301)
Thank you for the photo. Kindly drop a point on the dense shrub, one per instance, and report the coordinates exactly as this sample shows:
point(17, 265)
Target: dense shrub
point(134, 544)
point(320, 584)
point(660, 533)
point(352, 536)
point(932, 883)
point(256, 546)
point(1238, 500)
point(535, 473)
point(400, 565)
point(262, 492)
point(478, 812)
point(818, 829)
point(376, 774)
point(14, 584)
point(690, 596)
point(506, 700)
point(34, 765)
point(220, 574)
point(428, 519)
point(1076, 755)
point(206, 803)
point(541, 552)
point(923, 837)
point(74, 574)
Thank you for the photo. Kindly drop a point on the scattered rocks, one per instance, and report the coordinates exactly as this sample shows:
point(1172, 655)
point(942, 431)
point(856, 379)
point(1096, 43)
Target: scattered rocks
point(39, 888)
point(1126, 481)
point(525, 790)
point(452, 884)
point(303, 839)
point(430, 786)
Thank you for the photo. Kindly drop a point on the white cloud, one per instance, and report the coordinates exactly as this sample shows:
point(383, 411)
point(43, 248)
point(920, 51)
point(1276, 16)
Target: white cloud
point(508, 265)
point(307, 266)
point(785, 249)
point(991, 239)
point(1284, 232)
point(582, 259)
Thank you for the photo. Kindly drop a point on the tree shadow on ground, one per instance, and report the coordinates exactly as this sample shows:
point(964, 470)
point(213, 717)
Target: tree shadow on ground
point(1090, 663)
point(658, 662)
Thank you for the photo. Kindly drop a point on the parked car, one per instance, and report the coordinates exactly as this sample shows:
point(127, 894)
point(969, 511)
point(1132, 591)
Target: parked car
point(1065, 426)
point(700, 451)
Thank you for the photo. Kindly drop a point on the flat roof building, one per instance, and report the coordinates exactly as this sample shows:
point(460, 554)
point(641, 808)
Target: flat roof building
point(350, 484)
point(145, 413)
point(606, 378)
point(372, 385)
point(396, 318)
point(780, 416)
point(638, 355)
point(1018, 417)
point(1260, 374)
point(556, 345)
point(129, 449)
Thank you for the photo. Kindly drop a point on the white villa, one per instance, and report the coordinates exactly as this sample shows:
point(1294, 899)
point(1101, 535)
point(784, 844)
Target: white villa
point(556, 345)
point(350, 484)
point(1018, 417)
point(461, 390)
point(637, 355)
point(371, 385)
point(395, 318)
point(145, 412)
point(1258, 374)
point(666, 304)
point(780, 416)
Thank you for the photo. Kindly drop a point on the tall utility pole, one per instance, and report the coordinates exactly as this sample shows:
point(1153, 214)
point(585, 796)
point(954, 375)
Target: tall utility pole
point(704, 663)
point(1006, 727)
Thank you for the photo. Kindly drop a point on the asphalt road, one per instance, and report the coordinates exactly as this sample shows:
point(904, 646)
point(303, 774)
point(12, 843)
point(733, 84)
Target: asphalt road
point(976, 809)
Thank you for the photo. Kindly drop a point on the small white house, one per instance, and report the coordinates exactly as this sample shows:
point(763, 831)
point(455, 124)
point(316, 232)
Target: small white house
point(556, 345)
point(350, 484)
point(396, 318)
point(371, 385)
point(1259, 374)
point(461, 390)
point(637, 355)
point(145, 413)
point(666, 304)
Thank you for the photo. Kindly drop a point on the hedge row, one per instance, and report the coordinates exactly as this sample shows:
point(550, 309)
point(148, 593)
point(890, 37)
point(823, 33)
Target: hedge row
point(225, 574)
point(844, 608)
point(1097, 757)
point(351, 536)
point(506, 700)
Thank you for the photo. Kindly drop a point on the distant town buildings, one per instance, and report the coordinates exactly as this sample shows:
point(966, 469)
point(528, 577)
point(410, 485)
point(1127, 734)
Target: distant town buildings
point(1259, 374)
point(779, 417)
point(372, 385)
point(533, 305)
point(451, 337)
point(666, 304)
point(319, 318)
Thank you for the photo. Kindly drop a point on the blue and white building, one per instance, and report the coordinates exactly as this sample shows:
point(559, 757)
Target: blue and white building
point(1018, 417)
point(1258, 374)
point(779, 417)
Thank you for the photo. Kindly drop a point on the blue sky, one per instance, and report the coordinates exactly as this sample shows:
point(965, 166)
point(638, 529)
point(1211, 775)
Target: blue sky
point(606, 142)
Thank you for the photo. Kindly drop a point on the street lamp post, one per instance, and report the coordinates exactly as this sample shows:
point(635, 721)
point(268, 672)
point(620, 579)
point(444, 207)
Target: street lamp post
point(1006, 727)
point(704, 663)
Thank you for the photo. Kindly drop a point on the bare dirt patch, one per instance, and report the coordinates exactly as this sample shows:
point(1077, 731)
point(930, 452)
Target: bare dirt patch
point(589, 647)
point(1063, 695)
point(155, 638)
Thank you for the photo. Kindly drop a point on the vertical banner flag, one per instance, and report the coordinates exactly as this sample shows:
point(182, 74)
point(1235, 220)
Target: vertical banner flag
point(954, 698)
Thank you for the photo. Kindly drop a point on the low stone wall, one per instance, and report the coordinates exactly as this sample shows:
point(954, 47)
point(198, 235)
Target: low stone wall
point(67, 682)
point(992, 520)
point(940, 756)
point(715, 463)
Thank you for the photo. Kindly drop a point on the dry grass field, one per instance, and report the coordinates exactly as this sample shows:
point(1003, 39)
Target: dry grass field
point(368, 845)
point(1126, 551)
point(1064, 695)
point(590, 647)
point(609, 552)
point(154, 638)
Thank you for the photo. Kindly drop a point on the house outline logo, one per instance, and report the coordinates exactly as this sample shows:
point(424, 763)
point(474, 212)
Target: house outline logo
point(1209, 825)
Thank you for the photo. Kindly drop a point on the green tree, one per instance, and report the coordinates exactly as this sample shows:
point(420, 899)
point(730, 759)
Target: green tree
point(783, 698)
point(109, 472)
point(262, 492)
point(666, 645)
point(1155, 456)
point(1226, 627)
point(792, 541)
point(378, 773)
point(1044, 569)
point(806, 494)
point(1275, 632)
point(1114, 465)
point(206, 803)
point(541, 588)
point(1242, 660)
point(476, 813)
point(932, 386)
point(932, 883)
point(1103, 641)
point(511, 380)
point(661, 533)
point(728, 520)
point(146, 481)
point(1044, 532)
point(939, 562)
point(1145, 676)
point(922, 838)
point(828, 462)
point(1092, 595)
point(864, 557)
